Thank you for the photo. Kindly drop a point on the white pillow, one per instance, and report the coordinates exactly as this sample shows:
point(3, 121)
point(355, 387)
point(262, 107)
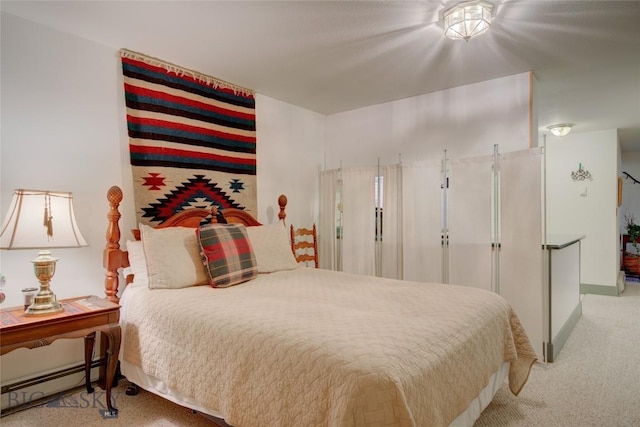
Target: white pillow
point(272, 248)
point(137, 263)
point(173, 257)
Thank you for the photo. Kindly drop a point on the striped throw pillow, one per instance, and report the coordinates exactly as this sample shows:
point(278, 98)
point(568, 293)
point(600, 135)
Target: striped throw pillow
point(227, 254)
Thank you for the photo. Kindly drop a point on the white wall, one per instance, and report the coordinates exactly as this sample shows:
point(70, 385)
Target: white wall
point(61, 130)
point(64, 128)
point(291, 139)
point(466, 120)
point(594, 215)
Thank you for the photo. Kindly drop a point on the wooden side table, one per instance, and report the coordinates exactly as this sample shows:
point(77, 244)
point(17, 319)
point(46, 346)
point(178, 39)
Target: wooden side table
point(82, 317)
point(628, 269)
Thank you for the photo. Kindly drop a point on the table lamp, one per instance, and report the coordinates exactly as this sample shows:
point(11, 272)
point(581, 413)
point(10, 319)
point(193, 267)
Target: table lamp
point(42, 220)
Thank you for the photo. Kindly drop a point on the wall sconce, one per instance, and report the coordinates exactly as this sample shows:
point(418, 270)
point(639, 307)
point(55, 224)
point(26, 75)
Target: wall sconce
point(581, 174)
point(560, 129)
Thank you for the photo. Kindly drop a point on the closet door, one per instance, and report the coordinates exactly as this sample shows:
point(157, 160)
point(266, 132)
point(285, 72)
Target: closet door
point(358, 238)
point(328, 244)
point(390, 255)
point(469, 219)
point(421, 219)
point(521, 255)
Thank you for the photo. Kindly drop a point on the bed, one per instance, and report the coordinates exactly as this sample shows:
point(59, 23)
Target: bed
point(299, 346)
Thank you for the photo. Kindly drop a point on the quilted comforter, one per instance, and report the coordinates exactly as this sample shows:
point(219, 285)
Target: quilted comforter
point(311, 347)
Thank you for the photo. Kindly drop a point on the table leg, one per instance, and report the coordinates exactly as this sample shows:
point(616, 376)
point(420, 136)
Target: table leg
point(89, 341)
point(112, 362)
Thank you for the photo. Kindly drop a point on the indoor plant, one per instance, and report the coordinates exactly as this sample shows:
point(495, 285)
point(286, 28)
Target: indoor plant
point(632, 259)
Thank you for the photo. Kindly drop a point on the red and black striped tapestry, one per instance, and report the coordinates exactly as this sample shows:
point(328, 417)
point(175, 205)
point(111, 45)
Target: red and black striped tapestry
point(192, 139)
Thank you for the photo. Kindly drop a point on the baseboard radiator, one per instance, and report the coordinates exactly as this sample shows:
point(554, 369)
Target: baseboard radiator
point(40, 379)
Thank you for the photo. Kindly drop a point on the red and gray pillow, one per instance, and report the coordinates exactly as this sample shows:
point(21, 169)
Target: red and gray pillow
point(227, 254)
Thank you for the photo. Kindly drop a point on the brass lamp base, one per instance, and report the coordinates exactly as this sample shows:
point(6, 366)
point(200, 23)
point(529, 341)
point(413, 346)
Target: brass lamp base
point(44, 304)
point(45, 301)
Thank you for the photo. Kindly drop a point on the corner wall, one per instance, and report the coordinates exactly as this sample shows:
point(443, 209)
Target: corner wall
point(587, 207)
point(290, 152)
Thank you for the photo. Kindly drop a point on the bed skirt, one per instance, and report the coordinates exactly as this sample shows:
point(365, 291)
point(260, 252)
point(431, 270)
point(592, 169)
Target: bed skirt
point(153, 385)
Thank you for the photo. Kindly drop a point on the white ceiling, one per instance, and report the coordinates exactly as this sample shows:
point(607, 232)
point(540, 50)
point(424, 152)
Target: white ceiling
point(334, 56)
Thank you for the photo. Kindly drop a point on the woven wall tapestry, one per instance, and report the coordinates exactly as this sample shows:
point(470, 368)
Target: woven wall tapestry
point(192, 139)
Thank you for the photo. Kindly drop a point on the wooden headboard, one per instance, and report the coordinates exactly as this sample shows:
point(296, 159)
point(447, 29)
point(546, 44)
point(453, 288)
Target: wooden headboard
point(115, 258)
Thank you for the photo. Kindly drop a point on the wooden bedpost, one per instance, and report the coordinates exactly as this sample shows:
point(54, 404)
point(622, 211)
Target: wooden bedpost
point(112, 256)
point(282, 202)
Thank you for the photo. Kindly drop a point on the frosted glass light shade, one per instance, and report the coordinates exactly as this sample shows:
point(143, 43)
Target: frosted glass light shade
point(40, 219)
point(467, 20)
point(561, 129)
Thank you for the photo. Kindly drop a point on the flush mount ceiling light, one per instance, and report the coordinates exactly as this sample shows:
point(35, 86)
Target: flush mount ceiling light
point(467, 20)
point(560, 129)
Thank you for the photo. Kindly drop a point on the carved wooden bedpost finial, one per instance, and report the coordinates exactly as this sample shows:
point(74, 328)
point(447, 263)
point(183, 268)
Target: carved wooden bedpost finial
point(282, 202)
point(112, 258)
point(114, 196)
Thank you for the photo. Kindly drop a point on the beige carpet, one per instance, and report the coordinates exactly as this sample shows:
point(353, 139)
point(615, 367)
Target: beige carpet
point(594, 382)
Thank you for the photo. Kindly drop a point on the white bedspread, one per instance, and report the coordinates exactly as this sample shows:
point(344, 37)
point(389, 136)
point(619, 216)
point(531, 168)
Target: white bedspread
point(311, 347)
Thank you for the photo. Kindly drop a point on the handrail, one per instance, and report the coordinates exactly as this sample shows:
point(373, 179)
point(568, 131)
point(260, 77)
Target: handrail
point(635, 181)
